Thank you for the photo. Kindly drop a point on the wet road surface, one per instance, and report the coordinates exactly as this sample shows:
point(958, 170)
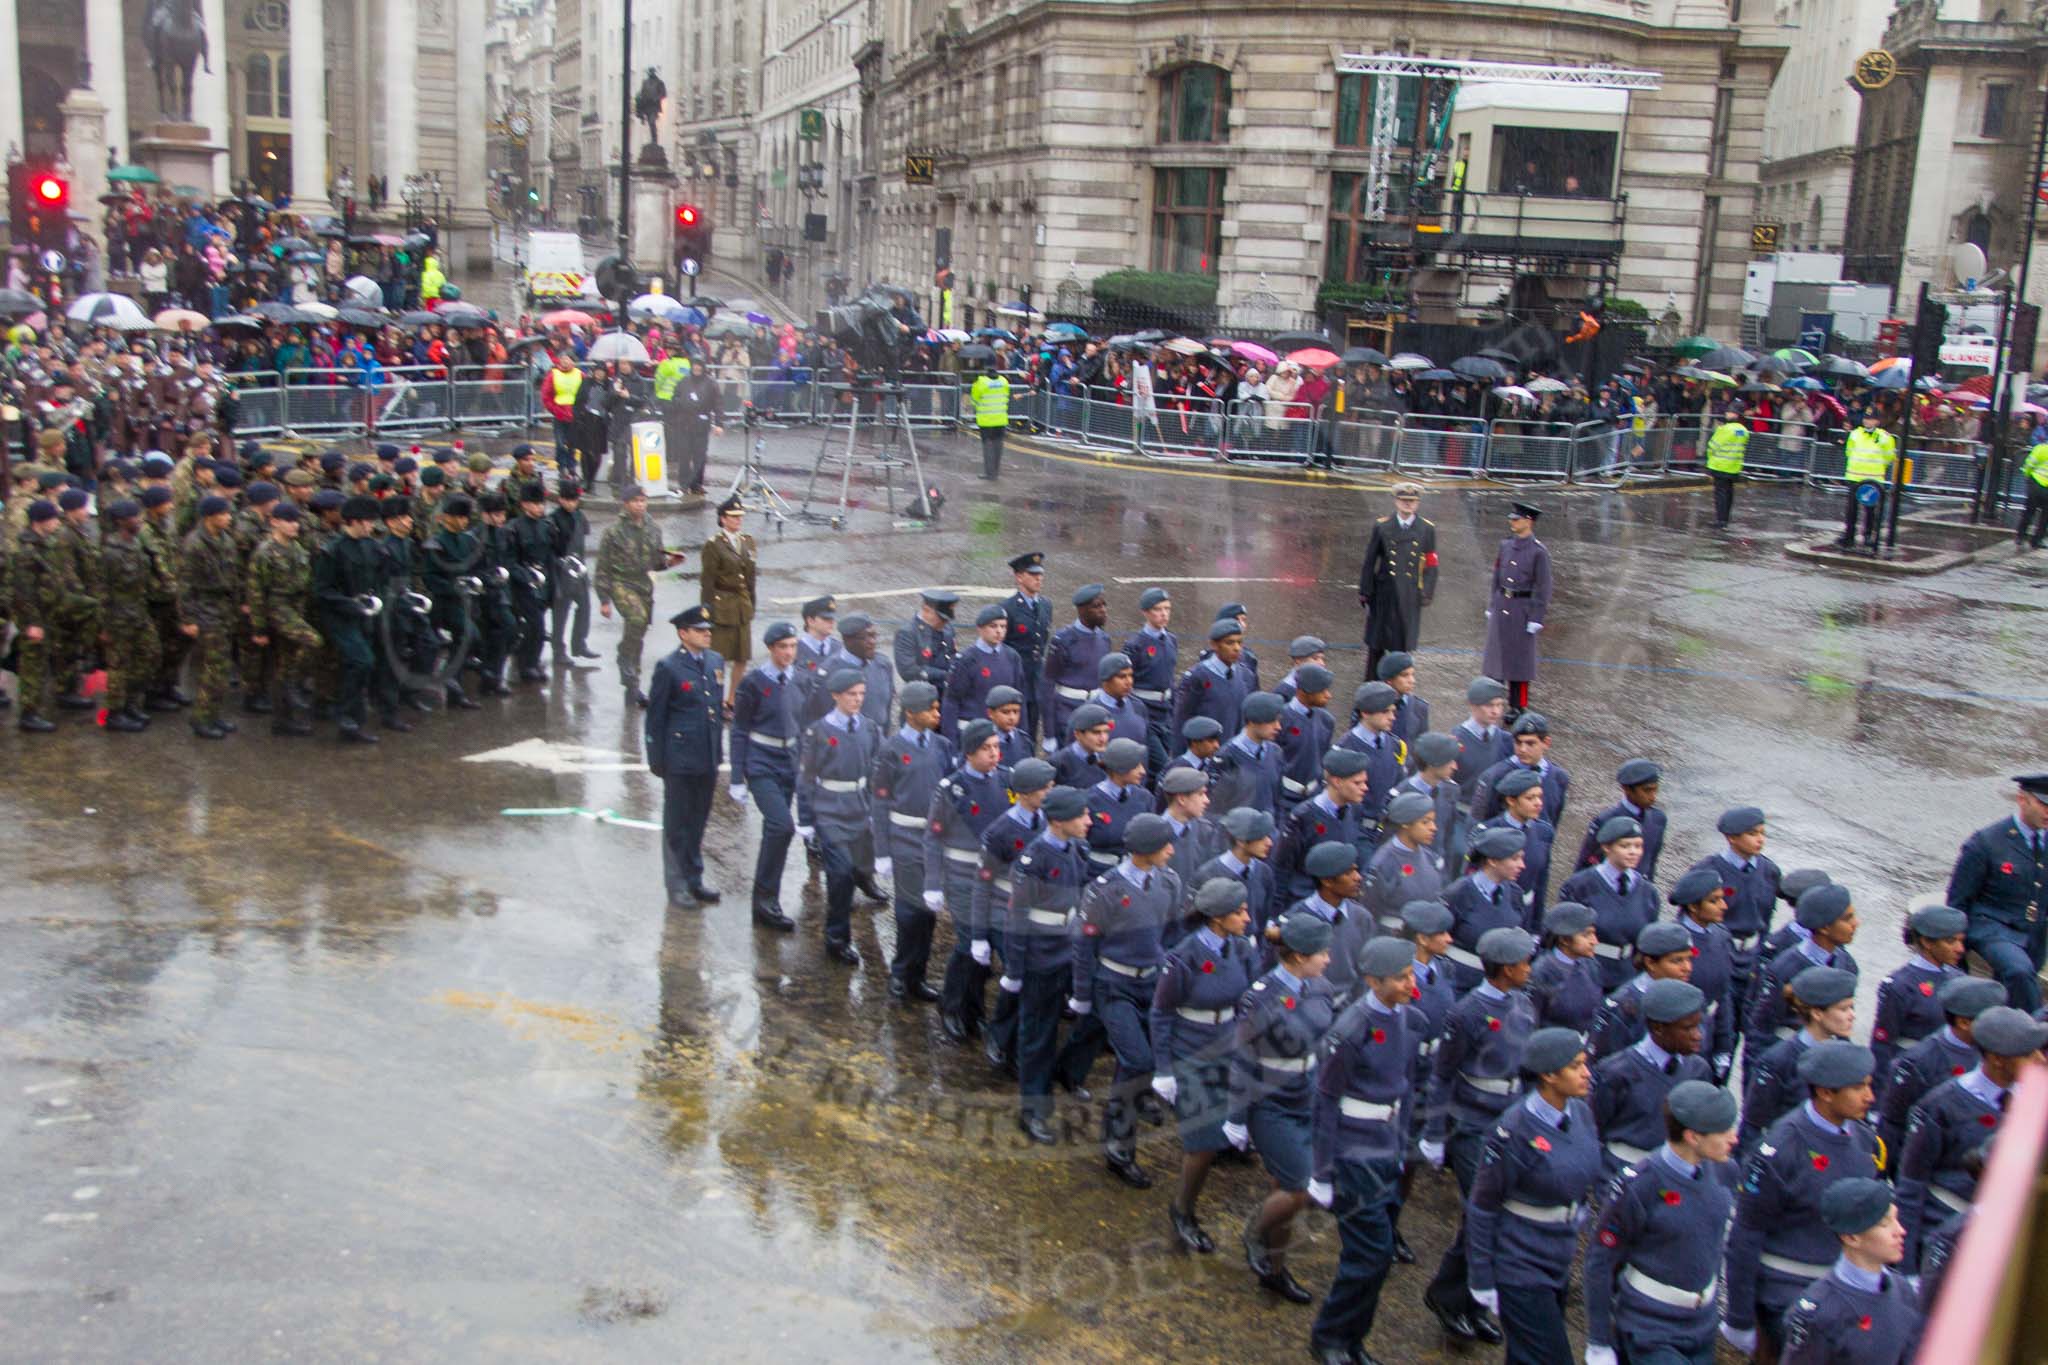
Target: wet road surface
point(313, 1054)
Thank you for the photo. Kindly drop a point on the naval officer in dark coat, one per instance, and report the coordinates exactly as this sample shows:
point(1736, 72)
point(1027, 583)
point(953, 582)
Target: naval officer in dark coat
point(1398, 578)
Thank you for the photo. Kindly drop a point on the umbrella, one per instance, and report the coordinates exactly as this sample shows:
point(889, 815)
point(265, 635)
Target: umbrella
point(728, 326)
point(952, 334)
point(1018, 310)
point(1185, 346)
point(363, 317)
point(294, 243)
point(1437, 376)
point(277, 312)
point(124, 323)
point(180, 320)
point(993, 334)
point(135, 175)
point(1795, 355)
point(1496, 353)
point(450, 293)
point(760, 319)
point(1929, 384)
point(1880, 366)
point(972, 352)
point(1483, 368)
point(306, 257)
point(18, 303)
point(1288, 342)
point(1364, 355)
point(1692, 348)
point(1977, 383)
point(413, 239)
point(1066, 331)
point(2029, 410)
point(1839, 367)
point(327, 227)
point(1313, 358)
point(1716, 377)
point(619, 346)
point(526, 344)
point(654, 306)
point(417, 317)
point(1127, 345)
point(463, 315)
point(239, 323)
point(364, 288)
point(1690, 372)
point(1755, 389)
point(1409, 360)
point(1514, 391)
point(567, 317)
point(1805, 383)
point(1250, 350)
point(706, 302)
point(318, 311)
point(739, 306)
point(1543, 383)
point(1892, 377)
point(1725, 358)
point(1155, 335)
point(106, 309)
point(1963, 398)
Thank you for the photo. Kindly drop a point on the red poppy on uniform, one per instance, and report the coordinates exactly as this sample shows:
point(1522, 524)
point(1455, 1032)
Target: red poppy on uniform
point(984, 673)
point(1673, 1198)
point(686, 687)
point(1988, 1120)
point(1205, 684)
point(1863, 1322)
point(1294, 729)
point(1379, 1035)
point(1103, 816)
point(927, 654)
point(937, 827)
point(1493, 1025)
point(1955, 1071)
point(1407, 869)
point(1415, 992)
point(1540, 1143)
point(906, 760)
point(1820, 1161)
point(974, 808)
point(1927, 988)
point(1209, 967)
point(2006, 868)
point(1319, 829)
point(1881, 1035)
point(831, 741)
point(1607, 1237)
point(1695, 950)
point(1151, 649)
point(1288, 1001)
point(1127, 900)
point(1020, 843)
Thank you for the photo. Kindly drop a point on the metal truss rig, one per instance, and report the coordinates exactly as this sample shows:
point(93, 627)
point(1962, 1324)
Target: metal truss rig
point(1380, 151)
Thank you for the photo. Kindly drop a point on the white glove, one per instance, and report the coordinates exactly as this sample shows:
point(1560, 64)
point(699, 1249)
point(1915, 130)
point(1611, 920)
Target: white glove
point(1237, 1135)
point(740, 795)
point(1601, 1355)
point(1047, 745)
point(1166, 1088)
point(1535, 626)
point(1489, 1299)
point(978, 950)
point(1011, 984)
point(1320, 1193)
point(934, 901)
point(1742, 1339)
point(806, 833)
point(885, 867)
point(1432, 1152)
point(1080, 1006)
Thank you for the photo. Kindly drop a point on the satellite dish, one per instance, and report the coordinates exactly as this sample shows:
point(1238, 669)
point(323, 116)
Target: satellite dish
point(1966, 259)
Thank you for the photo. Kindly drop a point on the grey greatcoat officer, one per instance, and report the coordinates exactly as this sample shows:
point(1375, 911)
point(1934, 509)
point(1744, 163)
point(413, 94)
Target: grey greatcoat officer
point(925, 647)
point(766, 730)
point(685, 739)
point(908, 770)
point(1071, 660)
point(1397, 578)
point(978, 670)
point(1029, 614)
point(1046, 883)
point(1154, 652)
point(1519, 602)
point(2001, 882)
point(832, 803)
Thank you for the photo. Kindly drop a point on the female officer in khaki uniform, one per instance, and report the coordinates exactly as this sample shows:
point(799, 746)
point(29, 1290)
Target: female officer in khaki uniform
point(728, 582)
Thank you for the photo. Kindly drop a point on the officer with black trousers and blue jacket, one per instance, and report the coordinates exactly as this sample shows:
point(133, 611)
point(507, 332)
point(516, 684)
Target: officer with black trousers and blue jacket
point(1038, 962)
point(961, 809)
point(685, 739)
point(832, 802)
point(766, 730)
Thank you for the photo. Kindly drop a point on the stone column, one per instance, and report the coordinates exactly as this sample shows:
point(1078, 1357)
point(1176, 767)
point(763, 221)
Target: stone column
point(104, 49)
point(401, 91)
point(10, 82)
point(309, 106)
point(472, 126)
point(210, 89)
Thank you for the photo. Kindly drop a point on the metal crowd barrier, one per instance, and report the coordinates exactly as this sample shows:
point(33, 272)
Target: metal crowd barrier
point(259, 411)
point(324, 402)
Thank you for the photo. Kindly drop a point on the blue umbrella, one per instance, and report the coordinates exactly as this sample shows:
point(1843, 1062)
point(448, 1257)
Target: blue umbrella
point(1439, 376)
point(760, 319)
point(1066, 331)
point(690, 317)
point(993, 334)
point(1892, 377)
point(1805, 383)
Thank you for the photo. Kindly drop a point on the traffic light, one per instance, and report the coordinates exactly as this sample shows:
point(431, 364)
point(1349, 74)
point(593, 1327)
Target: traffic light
point(692, 234)
point(39, 205)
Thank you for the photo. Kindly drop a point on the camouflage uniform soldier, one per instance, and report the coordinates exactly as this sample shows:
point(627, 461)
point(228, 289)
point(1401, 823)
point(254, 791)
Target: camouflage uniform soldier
point(250, 530)
point(211, 575)
point(74, 650)
point(192, 480)
point(280, 584)
point(628, 555)
point(45, 591)
point(134, 654)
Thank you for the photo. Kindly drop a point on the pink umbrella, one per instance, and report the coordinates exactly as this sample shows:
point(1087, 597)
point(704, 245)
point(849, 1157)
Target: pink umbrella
point(1313, 358)
point(1251, 350)
point(2030, 410)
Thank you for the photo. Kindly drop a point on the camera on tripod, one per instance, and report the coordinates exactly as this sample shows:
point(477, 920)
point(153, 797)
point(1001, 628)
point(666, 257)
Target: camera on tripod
point(867, 328)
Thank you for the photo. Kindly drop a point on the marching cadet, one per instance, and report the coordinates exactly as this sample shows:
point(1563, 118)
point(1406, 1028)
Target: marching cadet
point(1955, 1120)
point(967, 971)
point(1629, 1086)
point(1194, 1009)
point(1791, 886)
point(1522, 805)
point(629, 554)
point(1434, 756)
point(1482, 742)
point(1235, 613)
point(1663, 952)
point(1485, 898)
point(1860, 1312)
point(1623, 899)
point(1638, 779)
point(1302, 651)
point(1078, 762)
point(1907, 1010)
point(684, 732)
point(1778, 1244)
point(1330, 816)
point(1196, 837)
point(1386, 754)
point(1333, 868)
point(1828, 917)
point(863, 641)
point(1115, 801)
point(1305, 732)
point(533, 563)
point(2001, 882)
point(1397, 578)
point(1071, 657)
point(450, 574)
point(1248, 767)
point(1046, 883)
point(832, 803)
point(172, 642)
point(1950, 1052)
point(1281, 1024)
point(960, 810)
point(1753, 885)
point(1405, 868)
point(1411, 713)
point(1030, 618)
point(210, 574)
point(1477, 1077)
point(571, 637)
point(1362, 1117)
point(982, 667)
point(765, 734)
point(1217, 685)
point(1530, 735)
point(1119, 929)
point(280, 586)
point(1154, 652)
point(924, 646)
point(1129, 718)
point(1518, 604)
point(1200, 739)
point(1653, 1266)
point(1702, 901)
point(1565, 982)
point(1005, 710)
point(1522, 1219)
point(407, 656)
point(818, 652)
point(909, 767)
point(1426, 930)
point(1246, 862)
point(500, 623)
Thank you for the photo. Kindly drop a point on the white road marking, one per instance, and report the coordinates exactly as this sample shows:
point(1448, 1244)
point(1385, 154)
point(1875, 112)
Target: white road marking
point(41, 1086)
point(64, 1118)
point(564, 759)
point(1232, 579)
point(84, 1192)
point(104, 1172)
point(70, 1218)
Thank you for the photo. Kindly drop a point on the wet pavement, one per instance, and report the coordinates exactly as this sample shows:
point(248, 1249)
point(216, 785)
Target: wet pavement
point(315, 1054)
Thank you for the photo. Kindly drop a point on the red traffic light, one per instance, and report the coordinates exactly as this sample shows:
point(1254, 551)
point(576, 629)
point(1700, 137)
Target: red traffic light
point(51, 189)
point(686, 215)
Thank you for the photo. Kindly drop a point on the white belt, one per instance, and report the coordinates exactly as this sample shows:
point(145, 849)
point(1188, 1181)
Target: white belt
point(1001, 884)
point(1366, 1109)
point(1056, 918)
point(1744, 941)
point(1291, 787)
point(1463, 958)
point(1669, 1294)
point(1787, 1266)
point(1204, 1016)
point(772, 741)
point(907, 819)
point(1395, 923)
point(1287, 1063)
point(1491, 1085)
point(1070, 693)
point(1609, 950)
point(1125, 968)
point(1541, 1213)
point(856, 785)
point(1950, 1198)
point(1628, 1155)
point(1143, 695)
point(1708, 1012)
point(963, 857)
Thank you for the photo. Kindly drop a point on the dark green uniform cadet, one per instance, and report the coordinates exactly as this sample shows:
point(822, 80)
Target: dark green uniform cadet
point(210, 570)
point(280, 589)
point(133, 652)
point(46, 592)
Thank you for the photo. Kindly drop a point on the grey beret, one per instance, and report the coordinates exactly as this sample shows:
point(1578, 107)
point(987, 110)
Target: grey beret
point(854, 622)
point(1152, 597)
point(1201, 727)
point(1087, 716)
point(1305, 933)
point(1110, 665)
point(1482, 690)
point(1502, 841)
point(1314, 678)
point(1567, 918)
point(1222, 626)
point(1661, 938)
point(1386, 957)
point(1302, 646)
point(1247, 823)
point(1937, 921)
point(1619, 827)
point(1505, 946)
point(844, 678)
point(1433, 750)
point(1515, 781)
point(1702, 1106)
point(1262, 707)
point(1344, 762)
point(1551, 1049)
point(1220, 896)
point(1003, 696)
point(1408, 807)
point(1823, 986)
point(780, 631)
point(1637, 771)
point(1374, 696)
point(2003, 1031)
point(1799, 881)
point(916, 696)
point(1329, 859)
point(1822, 906)
point(1032, 775)
point(1064, 803)
point(1147, 834)
point(1531, 723)
point(1669, 1000)
point(1696, 885)
point(1854, 1205)
point(991, 614)
point(1122, 755)
point(1427, 917)
point(1183, 781)
point(1837, 1063)
point(976, 733)
point(1740, 820)
point(1086, 593)
point(1968, 997)
point(1394, 663)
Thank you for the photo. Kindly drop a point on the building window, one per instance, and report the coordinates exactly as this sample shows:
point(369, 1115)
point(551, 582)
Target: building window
point(1355, 95)
point(1187, 220)
point(256, 96)
point(1977, 231)
point(1997, 121)
point(1194, 105)
point(1555, 162)
point(1350, 230)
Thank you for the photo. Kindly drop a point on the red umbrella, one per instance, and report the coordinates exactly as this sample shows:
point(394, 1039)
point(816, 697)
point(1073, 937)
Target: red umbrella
point(1313, 358)
point(568, 317)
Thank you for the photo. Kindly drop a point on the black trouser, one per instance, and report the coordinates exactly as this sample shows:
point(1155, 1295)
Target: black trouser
point(2034, 514)
point(590, 460)
point(692, 452)
point(1366, 1195)
point(685, 806)
point(1871, 515)
point(1040, 1057)
point(914, 923)
point(358, 663)
point(841, 857)
point(1452, 1287)
point(774, 795)
point(991, 452)
point(533, 628)
point(1724, 498)
point(966, 984)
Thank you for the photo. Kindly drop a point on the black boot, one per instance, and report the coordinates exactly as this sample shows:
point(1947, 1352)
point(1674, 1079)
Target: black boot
point(256, 704)
point(352, 733)
point(122, 723)
point(1188, 1232)
point(460, 700)
point(209, 729)
point(35, 724)
point(157, 701)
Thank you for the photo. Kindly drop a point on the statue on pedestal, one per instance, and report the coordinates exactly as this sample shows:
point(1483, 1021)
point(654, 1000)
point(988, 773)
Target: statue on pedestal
point(174, 34)
point(647, 107)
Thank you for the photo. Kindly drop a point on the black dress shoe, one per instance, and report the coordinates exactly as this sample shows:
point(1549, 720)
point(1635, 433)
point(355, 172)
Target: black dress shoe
point(1079, 1092)
point(1403, 1253)
point(953, 1027)
point(291, 726)
point(35, 724)
point(135, 714)
point(843, 952)
point(421, 704)
point(1255, 1254)
point(178, 696)
point(256, 704)
point(158, 702)
point(1036, 1129)
point(1484, 1325)
point(533, 675)
point(1457, 1322)
point(588, 654)
point(225, 724)
point(1279, 1282)
point(1148, 1107)
point(74, 701)
point(1188, 1232)
point(461, 700)
point(770, 917)
point(397, 723)
point(206, 730)
point(356, 734)
point(495, 688)
point(1127, 1169)
point(122, 723)
point(1331, 1355)
point(705, 892)
point(924, 992)
point(866, 883)
point(992, 1049)
point(898, 992)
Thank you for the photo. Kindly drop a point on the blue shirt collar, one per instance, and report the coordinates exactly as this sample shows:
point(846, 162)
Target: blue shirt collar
point(1856, 1277)
point(1656, 1055)
point(1209, 939)
point(1229, 860)
point(1294, 705)
point(839, 720)
point(1375, 1005)
point(1288, 979)
point(1982, 1086)
point(1322, 799)
point(1245, 742)
point(908, 734)
point(1026, 818)
point(1155, 632)
point(1488, 991)
point(1054, 840)
point(1813, 1117)
point(984, 646)
point(1678, 1164)
point(1541, 1108)
point(1130, 872)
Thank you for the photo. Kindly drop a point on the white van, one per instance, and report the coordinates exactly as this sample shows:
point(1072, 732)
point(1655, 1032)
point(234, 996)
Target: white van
point(554, 267)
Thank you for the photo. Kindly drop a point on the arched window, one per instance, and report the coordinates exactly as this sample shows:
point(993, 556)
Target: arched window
point(284, 85)
point(256, 101)
point(1978, 233)
point(1194, 105)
